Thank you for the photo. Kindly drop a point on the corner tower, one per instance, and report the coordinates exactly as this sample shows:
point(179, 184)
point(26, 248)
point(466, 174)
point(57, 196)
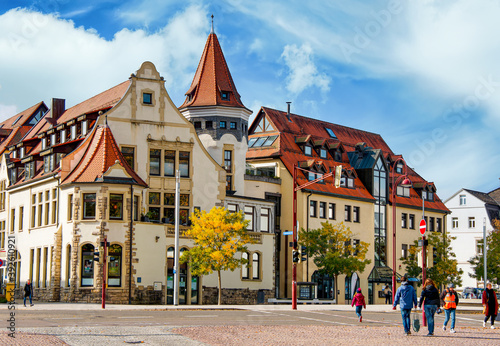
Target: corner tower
point(214, 107)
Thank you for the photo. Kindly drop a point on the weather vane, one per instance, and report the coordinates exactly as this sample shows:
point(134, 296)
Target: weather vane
point(212, 24)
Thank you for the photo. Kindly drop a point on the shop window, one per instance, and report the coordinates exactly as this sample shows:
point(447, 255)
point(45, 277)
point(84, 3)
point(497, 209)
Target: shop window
point(116, 207)
point(89, 205)
point(114, 265)
point(87, 266)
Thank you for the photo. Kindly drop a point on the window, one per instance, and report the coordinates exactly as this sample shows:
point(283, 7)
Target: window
point(63, 136)
point(44, 144)
point(21, 217)
point(114, 265)
point(255, 266)
point(224, 95)
point(129, 156)
point(330, 132)
point(209, 124)
point(228, 161)
point(33, 210)
point(29, 170)
point(184, 163)
point(404, 220)
point(147, 98)
point(454, 222)
point(169, 207)
point(322, 153)
point(430, 227)
point(311, 176)
point(264, 220)
point(70, 207)
point(462, 200)
point(87, 266)
point(472, 222)
point(249, 216)
point(154, 161)
point(307, 150)
point(399, 168)
point(136, 208)
point(430, 196)
point(312, 208)
point(404, 251)
point(331, 211)
point(343, 181)
point(89, 205)
point(232, 125)
point(347, 213)
point(412, 221)
point(356, 216)
point(439, 227)
point(197, 124)
point(84, 127)
point(322, 210)
point(73, 131)
point(270, 140)
point(222, 124)
point(47, 207)
point(403, 191)
point(116, 207)
point(154, 206)
point(338, 156)
point(350, 182)
point(479, 247)
point(12, 220)
point(169, 164)
point(229, 182)
point(244, 267)
point(233, 208)
point(21, 152)
point(40, 208)
point(68, 265)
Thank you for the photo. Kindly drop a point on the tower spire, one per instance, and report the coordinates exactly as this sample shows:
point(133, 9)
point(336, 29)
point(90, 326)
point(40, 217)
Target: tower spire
point(212, 31)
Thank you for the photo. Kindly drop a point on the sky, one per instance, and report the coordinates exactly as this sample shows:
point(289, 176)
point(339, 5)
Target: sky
point(423, 74)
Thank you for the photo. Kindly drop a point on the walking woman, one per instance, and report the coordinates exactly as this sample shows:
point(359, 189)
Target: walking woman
point(359, 301)
point(490, 303)
point(430, 299)
point(28, 292)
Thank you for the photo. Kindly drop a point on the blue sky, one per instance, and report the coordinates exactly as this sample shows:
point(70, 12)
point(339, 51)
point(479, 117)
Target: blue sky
point(423, 74)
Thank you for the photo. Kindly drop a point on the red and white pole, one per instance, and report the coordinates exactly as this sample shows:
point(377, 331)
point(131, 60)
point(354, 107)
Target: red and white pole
point(295, 230)
point(104, 283)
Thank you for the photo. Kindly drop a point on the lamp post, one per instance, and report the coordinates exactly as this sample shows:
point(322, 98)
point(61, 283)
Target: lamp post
point(405, 183)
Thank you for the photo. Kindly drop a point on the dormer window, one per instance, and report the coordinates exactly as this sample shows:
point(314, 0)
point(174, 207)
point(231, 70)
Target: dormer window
point(430, 196)
point(63, 136)
point(84, 127)
point(322, 153)
point(308, 150)
point(350, 182)
point(424, 195)
point(73, 132)
point(224, 95)
point(53, 139)
point(399, 168)
point(403, 191)
point(21, 152)
point(44, 143)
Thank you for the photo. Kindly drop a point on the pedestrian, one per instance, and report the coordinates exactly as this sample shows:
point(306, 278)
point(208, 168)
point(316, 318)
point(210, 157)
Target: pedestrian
point(430, 299)
point(490, 304)
point(406, 297)
point(28, 292)
point(359, 301)
point(449, 300)
point(387, 293)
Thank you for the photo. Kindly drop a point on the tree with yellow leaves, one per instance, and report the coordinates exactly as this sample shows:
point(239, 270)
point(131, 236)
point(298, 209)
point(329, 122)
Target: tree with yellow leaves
point(218, 236)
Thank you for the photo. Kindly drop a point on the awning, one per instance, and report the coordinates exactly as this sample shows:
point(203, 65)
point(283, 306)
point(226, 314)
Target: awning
point(382, 275)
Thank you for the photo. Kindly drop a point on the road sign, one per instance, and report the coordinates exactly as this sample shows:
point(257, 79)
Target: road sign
point(423, 227)
point(1, 263)
point(288, 233)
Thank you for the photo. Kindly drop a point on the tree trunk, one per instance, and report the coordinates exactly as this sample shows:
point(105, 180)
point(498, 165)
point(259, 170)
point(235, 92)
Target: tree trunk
point(219, 293)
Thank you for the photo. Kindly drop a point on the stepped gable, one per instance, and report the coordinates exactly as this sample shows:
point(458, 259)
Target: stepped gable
point(98, 154)
point(212, 77)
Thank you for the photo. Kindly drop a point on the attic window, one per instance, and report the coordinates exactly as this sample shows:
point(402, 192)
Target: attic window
point(224, 95)
point(147, 98)
point(330, 133)
point(261, 141)
point(307, 150)
point(399, 168)
point(322, 153)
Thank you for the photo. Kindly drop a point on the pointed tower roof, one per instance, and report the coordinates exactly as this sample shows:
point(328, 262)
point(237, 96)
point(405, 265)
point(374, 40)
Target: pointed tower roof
point(212, 84)
point(98, 159)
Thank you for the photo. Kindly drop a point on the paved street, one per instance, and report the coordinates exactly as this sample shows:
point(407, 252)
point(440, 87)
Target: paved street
point(88, 324)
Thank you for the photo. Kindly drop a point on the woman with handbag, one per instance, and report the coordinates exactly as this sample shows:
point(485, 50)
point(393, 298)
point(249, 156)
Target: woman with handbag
point(490, 305)
point(431, 301)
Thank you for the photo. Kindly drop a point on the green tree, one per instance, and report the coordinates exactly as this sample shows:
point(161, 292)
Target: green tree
point(492, 257)
point(218, 236)
point(444, 269)
point(333, 252)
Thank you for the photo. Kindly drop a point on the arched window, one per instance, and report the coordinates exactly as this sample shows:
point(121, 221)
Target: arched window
point(115, 265)
point(244, 267)
point(87, 266)
point(255, 266)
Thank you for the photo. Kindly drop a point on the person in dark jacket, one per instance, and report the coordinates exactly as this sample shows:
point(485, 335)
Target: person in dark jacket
point(28, 292)
point(431, 301)
point(490, 303)
point(359, 301)
point(449, 301)
point(406, 297)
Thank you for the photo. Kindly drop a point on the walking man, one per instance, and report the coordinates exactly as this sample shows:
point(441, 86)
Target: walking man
point(449, 300)
point(28, 292)
point(406, 297)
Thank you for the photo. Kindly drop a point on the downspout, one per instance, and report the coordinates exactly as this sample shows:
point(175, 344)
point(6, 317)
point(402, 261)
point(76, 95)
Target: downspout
point(130, 245)
point(307, 230)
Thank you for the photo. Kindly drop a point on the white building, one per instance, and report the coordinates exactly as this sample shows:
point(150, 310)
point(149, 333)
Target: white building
point(470, 212)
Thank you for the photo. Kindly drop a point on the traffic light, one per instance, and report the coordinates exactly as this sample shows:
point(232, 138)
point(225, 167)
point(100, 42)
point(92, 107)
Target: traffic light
point(96, 256)
point(295, 256)
point(303, 254)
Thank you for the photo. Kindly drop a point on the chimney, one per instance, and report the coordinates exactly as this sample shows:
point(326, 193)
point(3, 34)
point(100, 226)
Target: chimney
point(58, 108)
point(288, 111)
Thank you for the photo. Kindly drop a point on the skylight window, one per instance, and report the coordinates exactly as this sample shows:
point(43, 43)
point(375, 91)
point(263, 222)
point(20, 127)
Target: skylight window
point(251, 141)
point(261, 141)
point(270, 140)
point(330, 133)
point(19, 117)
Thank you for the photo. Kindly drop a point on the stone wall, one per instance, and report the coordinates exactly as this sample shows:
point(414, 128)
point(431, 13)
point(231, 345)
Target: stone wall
point(234, 296)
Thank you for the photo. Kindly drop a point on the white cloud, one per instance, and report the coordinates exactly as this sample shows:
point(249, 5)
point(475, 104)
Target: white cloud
point(6, 111)
point(44, 56)
point(303, 73)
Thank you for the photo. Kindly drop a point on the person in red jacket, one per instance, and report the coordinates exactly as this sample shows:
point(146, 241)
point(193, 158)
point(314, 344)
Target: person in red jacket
point(359, 301)
point(490, 303)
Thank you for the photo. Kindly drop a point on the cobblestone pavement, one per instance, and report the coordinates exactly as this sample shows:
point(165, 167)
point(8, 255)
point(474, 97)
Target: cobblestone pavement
point(248, 334)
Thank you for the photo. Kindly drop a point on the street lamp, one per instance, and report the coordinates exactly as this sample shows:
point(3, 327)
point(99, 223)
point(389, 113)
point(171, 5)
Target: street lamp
point(405, 183)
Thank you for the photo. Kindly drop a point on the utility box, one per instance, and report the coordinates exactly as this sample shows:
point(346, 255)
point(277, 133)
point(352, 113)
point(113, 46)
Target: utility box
point(9, 291)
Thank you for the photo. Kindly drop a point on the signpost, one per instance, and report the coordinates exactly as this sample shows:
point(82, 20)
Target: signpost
point(423, 228)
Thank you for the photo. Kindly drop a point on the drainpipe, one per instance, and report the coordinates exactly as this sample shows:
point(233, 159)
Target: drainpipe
point(130, 245)
point(307, 230)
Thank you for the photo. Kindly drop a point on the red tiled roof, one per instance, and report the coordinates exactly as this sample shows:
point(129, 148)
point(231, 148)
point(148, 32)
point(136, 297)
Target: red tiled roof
point(93, 158)
point(305, 128)
point(212, 77)
point(25, 115)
